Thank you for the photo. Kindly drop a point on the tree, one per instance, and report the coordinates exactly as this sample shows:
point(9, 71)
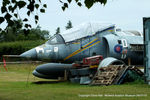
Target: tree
point(58, 30)
point(88, 3)
point(15, 33)
point(10, 10)
point(12, 32)
point(37, 34)
point(69, 25)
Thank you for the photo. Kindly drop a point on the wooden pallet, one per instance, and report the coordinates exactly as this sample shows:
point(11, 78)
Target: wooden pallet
point(107, 75)
point(136, 69)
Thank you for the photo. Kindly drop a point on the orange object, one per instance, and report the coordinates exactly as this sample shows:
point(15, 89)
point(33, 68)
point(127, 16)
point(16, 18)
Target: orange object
point(4, 64)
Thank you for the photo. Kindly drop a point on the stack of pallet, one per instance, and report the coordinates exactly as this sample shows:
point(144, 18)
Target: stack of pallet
point(136, 70)
point(109, 75)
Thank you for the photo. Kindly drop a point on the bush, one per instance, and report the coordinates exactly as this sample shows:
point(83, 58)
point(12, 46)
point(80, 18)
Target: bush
point(18, 47)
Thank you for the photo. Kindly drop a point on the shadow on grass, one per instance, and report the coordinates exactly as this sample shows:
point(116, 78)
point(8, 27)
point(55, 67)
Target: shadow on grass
point(46, 82)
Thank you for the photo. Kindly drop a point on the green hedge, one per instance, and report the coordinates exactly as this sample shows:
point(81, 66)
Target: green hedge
point(18, 47)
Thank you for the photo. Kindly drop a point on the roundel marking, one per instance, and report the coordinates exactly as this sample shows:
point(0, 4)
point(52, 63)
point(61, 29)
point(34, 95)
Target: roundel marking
point(118, 48)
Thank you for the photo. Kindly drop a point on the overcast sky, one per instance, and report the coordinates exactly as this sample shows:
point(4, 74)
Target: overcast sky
point(126, 14)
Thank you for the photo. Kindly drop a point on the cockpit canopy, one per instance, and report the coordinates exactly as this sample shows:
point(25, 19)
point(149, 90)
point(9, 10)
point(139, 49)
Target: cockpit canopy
point(80, 31)
point(56, 39)
point(85, 30)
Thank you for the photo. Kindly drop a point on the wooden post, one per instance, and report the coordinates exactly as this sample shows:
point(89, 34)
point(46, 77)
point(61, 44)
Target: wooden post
point(65, 75)
point(129, 61)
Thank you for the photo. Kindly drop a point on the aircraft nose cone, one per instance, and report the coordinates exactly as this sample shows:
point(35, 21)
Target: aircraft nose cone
point(29, 54)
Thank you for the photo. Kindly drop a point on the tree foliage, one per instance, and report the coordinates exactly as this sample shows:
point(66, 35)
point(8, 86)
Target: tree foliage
point(69, 25)
point(10, 10)
point(58, 30)
point(38, 34)
point(88, 3)
point(16, 33)
point(12, 31)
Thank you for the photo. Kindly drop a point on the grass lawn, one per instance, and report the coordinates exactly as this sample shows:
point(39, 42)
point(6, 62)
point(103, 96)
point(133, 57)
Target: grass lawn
point(19, 84)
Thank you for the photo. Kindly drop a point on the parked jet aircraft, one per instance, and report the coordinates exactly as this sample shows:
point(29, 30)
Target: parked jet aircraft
point(86, 40)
